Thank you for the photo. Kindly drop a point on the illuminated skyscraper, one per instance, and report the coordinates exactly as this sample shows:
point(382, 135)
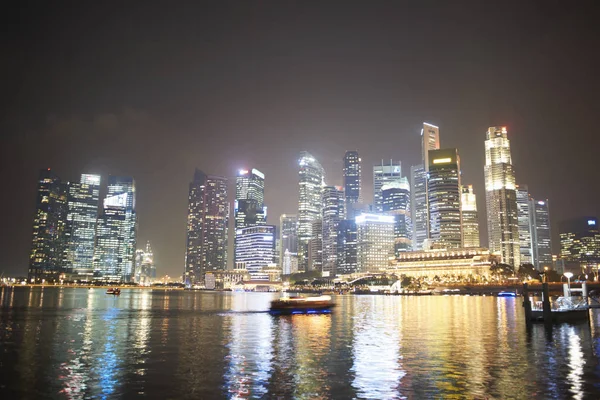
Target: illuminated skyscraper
point(83, 201)
point(352, 177)
point(288, 236)
point(208, 215)
point(470, 219)
point(333, 213)
point(347, 247)
point(443, 197)
point(145, 270)
point(315, 247)
point(382, 175)
point(256, 249)
point(396, 202)
point(541, 237)
point(249, 208)
point(114, 254)
point(501, 197)
point(375, 241)
point(311, 181)
point(46, 260)
point(580, 242)
point(430, 140)
point(524, 218)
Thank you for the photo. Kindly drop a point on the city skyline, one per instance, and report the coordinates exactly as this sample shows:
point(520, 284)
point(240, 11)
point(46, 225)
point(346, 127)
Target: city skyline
point(364, 98)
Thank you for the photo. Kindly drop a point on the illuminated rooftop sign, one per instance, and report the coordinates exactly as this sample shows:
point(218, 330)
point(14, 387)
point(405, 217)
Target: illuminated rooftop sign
point(591, 222)
point(361, 219)
point(243, 171)
point(442, 160)
point(258, 173)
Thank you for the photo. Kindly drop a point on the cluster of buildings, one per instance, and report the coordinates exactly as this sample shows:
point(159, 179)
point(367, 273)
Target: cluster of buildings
point(422, 224)
point(75, 241)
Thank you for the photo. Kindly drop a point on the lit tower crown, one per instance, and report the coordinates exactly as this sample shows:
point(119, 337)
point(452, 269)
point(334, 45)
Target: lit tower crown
point(501, 198)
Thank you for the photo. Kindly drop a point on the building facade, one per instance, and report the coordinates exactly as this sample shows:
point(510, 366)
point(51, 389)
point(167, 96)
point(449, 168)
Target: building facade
point(347, 247)
point(580, 242)
point(352, 177)
point(375, 241)
point(207, 227)
point(541, 239)
point(46, 259)
point(470, 218)
point(249, 207)
point(333, 213)
point(311, 181)
point(501, 197)
point(288, 236)
point(315, 247)
point(384, 174)
point(420, 211)
point(396, 202)
point(145, 270)
point(256, 250)
point(524, 220)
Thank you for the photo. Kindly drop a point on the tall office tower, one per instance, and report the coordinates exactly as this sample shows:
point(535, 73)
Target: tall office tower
point(470, 219)
point(290, 263)
point(82, 217)
point(420, 212)
point(311, 181)
point(352, 177)
point(145, 270)
point(375, 241)
point(207, 223)
point(256, 249)
point(382, 175)
point(249, 208)
point(541, 238)
point(443, 197)
point(116, 234)
point(524, 220)
point(333, 213)
point(48, 244)
point(288, 234)
point(580, 241)
point(315, 247)
point(430, 140)
point(347, 247)
point(501, 197)
point(396, 202)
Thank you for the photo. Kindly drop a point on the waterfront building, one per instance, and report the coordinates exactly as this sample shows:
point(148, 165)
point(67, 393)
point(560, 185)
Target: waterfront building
point(290, 263)
point(443, 198)
point(470, 219)
point(375, 241)
point(227, 279)
point(46, 259)
point(384, 174)
point(524, 220)
point(333, 213)
point(311, 181)
point(352, 177)
point(288, 234)
point(347, 247)
point(501, 198)
point(315, 247)
point(256, 249)
point(445, 264)
point(396, 202)
point(249, 208)
point(420, 211)
point(145, 270)
point(541, 238)
point(207, 224)
point(580, 242)
point(116, 236)
point(82, 218)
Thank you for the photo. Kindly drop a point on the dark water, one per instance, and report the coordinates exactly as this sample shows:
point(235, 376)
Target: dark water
point(79, 343)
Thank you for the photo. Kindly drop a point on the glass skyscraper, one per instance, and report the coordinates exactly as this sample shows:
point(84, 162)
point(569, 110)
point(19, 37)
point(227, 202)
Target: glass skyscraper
point(396, 202)
point(375, 241)
point(288, 235)
point(501, 197)
point(82, 217)
point(580, 241)
point(443, 197)
point(207, 227)
point(384, 174)
point(524, 218)
point(256, 249)
point(333, 213)
point(352, 177)
point(541, 237)
point(347, 247)
point(311, 181)
point(46, 259)
point(249, 207)
point(470, 219)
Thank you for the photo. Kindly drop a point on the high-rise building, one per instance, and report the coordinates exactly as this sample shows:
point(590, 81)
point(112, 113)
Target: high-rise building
point(290, 263)
point(46, 259)
point(82, 217)
point(347, 247)
point(375, 242)
point(501, 197)
point(384, 174)
point(333, 213)
point(315, 247)
point(470, 219)
point(145, 270)
point(420, 211)
point(256, 249)
point(430, 140)
point(116, 236)
point(207, 223)
point(249, 208)
point(580, 241)
point(541, 238)
point(288, 235)
point(396, 202)
point(352, 177)
point(311, 181)
point(523, 216)
point(443, 197)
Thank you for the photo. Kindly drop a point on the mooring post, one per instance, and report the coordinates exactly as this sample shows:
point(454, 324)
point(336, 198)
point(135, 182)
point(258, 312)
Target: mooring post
point(527, 304)
point(547, 311)
point(584, 293)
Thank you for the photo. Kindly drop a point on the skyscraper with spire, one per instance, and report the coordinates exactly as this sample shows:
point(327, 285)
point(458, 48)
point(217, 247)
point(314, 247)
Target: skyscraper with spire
point(311, 179)
point(501, 197)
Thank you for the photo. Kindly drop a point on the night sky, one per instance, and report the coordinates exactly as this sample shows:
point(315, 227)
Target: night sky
point(153, 90)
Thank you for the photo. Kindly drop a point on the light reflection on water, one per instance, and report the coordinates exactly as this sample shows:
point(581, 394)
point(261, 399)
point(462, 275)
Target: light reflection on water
point(79, 343)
